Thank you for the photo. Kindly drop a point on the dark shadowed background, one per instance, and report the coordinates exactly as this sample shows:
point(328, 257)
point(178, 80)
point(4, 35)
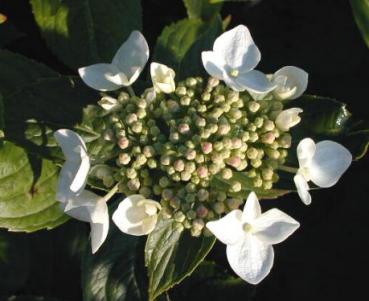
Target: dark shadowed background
point(327, 258)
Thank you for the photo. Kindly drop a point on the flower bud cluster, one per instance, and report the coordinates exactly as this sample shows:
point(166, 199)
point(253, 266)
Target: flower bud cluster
point(171, 147)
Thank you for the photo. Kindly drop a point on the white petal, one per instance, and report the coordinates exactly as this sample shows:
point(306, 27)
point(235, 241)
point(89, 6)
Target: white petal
point(228, 229)
point(73, 176)
point(131, 216)
point(70, 143)
point(330, 161)
point(274, 226)
point(84, 207)
point(288, 118)
point(99, 232)
point(251, 259)
point(302, 187)
point(252, 209)
point(109, 103)
point(238, 49)
point(162, 78)
point(213, 64)
point(132, 56)
point(98, 76)
point(305, 151)
point(297, 81)
point(255, 82)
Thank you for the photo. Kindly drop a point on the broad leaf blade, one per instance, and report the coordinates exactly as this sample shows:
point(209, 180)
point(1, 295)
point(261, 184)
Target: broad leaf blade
point(27, 192)
point(180, 44)
point(116, 271)
point(84, 32)
point(202, 9)
point(172, 254)
point(361, 13)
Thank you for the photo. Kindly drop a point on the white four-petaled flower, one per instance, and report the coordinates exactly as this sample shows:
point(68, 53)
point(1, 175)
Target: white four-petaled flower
point(288, 118)
point(162, 78)
point(125, 68)
point(322, 163)
point(77, 202)
point(233, 60)
point(249, 236)
point(291, 82)
point(136, 215)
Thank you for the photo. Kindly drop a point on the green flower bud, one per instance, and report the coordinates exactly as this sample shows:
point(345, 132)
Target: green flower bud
point(285, 141)
point(268, 138)
point(191, 214)
point(242, 166)
point(191, 82)
point(176, 177)
point(203, 195)
point(123, 97)
point(151, 163)
point(124, 158)
point(245, 136)
point(198, 224)
point(195, 179)
point(202, 211)
point(131, 173)
point(200, 158)
point(224, 129)
point(154, 131)
point(268, 125)
point(218, 146)
point(108, 135)
point(131, 118)
point(214, 168)
point(259, 122)
point(251, 127)
point(175, 203)
point(185, 176)
point(253, 106)
point(272, 153)
point(252, 153)
point(256, 163)
point(165, 160)
point(187, 224)
point(136, 150)
point(190, 167)
point(164, 182)
point(257, 182)
point(190, 92)
point(236, 187)
point(233, 203)
point(267, 173)
point(145, 191)
point(232, 96)
point(134, 184)
point(221, 196)
point(267, 185)
point(219, 99)
point(179, 216)
point(157, 190)
point(253, 137)
point(219, 208)
point(213, 82)
point(226, 107)
point(206, 96)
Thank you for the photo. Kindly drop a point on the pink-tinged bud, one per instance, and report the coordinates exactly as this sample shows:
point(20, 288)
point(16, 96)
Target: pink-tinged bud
point(202, 171)
point(183, 128)
point(179, 165)
point(190, 154)
point(123, 142)
point(268, 138)
point(234, 161)
point(202, 211)
point(236, 143)
point(207, 147)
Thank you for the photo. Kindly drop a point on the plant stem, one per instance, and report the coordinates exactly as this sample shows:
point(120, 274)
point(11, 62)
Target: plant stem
point(131, 91)
point(111, 193)
point(288, 169)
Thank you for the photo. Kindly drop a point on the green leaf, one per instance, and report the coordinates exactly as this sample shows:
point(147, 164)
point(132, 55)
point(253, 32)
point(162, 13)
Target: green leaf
point(325, 118)
point(14, 261)
point(116, 271)
point(27, 192)
point(361, 13)
point(202, 9)
point(38, 101)
point(2, 123)
point(180, 45)
point(172, 254)
point(84, 32)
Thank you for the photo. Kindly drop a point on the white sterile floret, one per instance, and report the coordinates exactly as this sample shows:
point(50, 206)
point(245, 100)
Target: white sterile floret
point(75, 201)
point(109, 103)
point(136, 215)
point(125, 68)
point(162, 78)
point(233, 59)
point(291, 82)
point(249, 236)
point(288, 118)
point(322, 163)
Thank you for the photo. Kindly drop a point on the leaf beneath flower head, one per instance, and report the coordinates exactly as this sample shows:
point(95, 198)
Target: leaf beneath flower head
point(180, 45)
point(115, 272)
point(84, 32)
point(27, 191)
point(361, 13)
point(202, 9)
point(172, 254)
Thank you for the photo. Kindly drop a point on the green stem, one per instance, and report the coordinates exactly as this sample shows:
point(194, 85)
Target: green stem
point(111, 193)
point(131, 91)
point(288, 169)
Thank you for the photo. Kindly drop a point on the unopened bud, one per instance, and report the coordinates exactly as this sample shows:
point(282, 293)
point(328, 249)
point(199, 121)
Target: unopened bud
point(207, 147)
point(268, 138)
point(124, 158)
point(203, 195)
point(253, 106)
point(236, 187)
point(219, 207)
point(183, 128)
point(202, 211)
point(134, 184)
point(202, 171)
point(252, 153)
point(179, 216)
